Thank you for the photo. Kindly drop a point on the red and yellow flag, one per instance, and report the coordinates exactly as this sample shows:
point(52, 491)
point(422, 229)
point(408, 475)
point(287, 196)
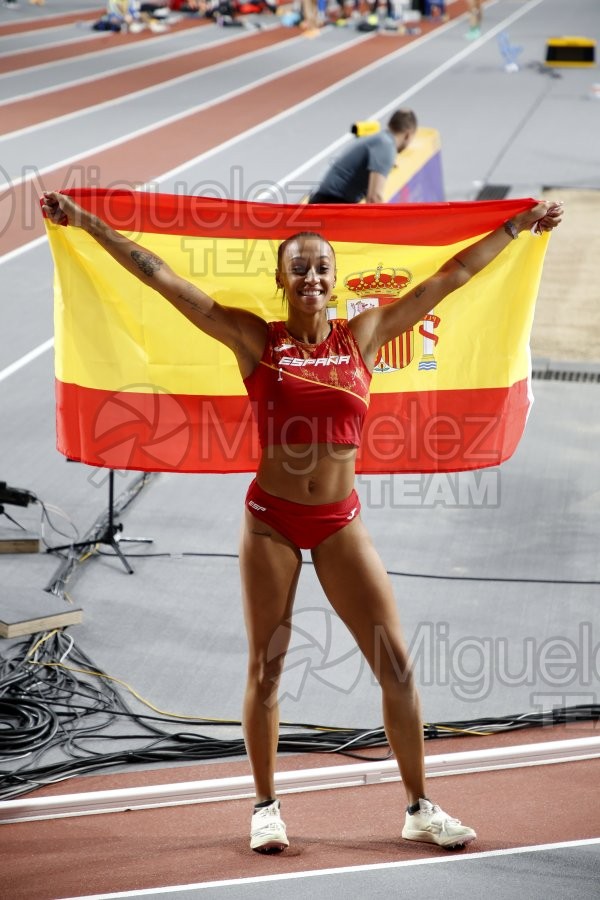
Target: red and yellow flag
point(138, 387)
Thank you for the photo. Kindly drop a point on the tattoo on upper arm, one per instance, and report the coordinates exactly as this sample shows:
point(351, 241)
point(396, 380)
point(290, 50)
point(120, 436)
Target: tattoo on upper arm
point(147, 262)
point(420, 290)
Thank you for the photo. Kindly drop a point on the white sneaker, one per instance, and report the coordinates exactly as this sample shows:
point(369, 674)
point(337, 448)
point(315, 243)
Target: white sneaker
point(434, 826)
point(267, 831)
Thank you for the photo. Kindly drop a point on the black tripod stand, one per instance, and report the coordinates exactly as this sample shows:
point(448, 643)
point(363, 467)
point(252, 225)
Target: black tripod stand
point(109, 532)
point(14, 521)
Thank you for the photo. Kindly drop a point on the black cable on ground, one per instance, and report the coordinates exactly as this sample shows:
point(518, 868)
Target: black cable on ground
point(501, 579)
point(55, 701)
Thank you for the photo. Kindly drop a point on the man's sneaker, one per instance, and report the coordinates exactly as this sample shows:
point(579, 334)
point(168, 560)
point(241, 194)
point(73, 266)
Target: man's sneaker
point(433, 825)
point(267, 831)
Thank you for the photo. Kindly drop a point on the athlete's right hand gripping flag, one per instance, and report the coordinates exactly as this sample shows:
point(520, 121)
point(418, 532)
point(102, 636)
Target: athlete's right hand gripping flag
point(138, 387)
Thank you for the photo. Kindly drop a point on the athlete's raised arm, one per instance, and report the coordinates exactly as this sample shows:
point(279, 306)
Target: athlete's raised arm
point(376, 327)
point(238, 329)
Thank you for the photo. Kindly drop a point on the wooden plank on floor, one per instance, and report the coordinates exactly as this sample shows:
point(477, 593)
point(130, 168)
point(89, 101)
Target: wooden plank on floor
point(27, 610)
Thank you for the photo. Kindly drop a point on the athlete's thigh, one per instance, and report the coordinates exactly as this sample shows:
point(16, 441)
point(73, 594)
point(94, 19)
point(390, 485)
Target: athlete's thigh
point(270, 567)
point(359, 589)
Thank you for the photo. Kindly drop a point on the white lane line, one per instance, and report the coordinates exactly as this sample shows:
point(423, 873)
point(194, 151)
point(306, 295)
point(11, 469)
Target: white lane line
point(344, 82)
point(398, 101)
point(364, 774)
point(6, 26)
point(267, 123)
point(184, 114)
point(157, 39)
point(93, 36)
point(25, 360)
point(392, 57)
point(133, 96)
point(118, 70)
point(466, 859)
point(24, 248)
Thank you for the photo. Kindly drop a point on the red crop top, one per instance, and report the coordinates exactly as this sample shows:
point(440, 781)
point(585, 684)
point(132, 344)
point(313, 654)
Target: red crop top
point(310, 393)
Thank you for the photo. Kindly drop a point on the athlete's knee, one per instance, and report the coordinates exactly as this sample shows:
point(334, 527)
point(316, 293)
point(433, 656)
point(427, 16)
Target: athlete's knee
point(391, 664)
point(398, 676)
point(264, 673)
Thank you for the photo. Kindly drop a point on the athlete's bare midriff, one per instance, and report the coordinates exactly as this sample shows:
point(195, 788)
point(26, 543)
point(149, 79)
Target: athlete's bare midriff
point(308, 473)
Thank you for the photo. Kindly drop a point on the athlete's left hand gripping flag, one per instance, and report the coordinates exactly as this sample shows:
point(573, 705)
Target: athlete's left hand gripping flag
point(138, 387)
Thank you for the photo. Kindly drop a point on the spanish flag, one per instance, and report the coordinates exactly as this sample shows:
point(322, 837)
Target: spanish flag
point(138, 387)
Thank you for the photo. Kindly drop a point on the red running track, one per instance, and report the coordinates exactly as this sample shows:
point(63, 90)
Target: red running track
point(328, 829)
point(49, 21)
point(141, 159)
point(34, 110)
point(60, 52)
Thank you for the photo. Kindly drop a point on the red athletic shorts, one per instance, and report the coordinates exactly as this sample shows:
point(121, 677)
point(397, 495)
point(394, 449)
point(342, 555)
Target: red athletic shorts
point(302, 524)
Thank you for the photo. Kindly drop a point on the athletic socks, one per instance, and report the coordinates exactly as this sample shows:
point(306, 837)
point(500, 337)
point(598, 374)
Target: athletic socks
point(268, 803)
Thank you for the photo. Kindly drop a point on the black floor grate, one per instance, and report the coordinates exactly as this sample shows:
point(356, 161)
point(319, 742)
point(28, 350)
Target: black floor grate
point(493, 192)
point(574, 372)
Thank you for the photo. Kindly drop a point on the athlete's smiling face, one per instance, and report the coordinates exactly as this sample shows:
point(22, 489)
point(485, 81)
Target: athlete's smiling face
point(307, 272)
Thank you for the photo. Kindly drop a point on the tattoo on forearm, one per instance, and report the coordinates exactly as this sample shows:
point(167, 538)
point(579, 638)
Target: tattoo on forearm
point(420, 290)
point(195, 306)
point(146, 262)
